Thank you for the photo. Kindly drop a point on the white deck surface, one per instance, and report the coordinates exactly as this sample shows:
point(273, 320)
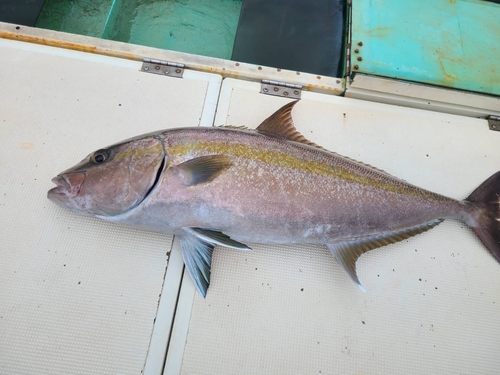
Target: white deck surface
point(433, 302)
point(78, 295)
point(81, 296)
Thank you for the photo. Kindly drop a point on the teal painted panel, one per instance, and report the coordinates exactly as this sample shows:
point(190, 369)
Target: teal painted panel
point(77, 17)
point(201, 27)
point(452, 43)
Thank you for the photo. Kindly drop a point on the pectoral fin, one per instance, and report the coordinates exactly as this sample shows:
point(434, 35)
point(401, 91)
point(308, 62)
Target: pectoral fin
point(216, 238)
point(197, 256)
point(203, 169)
point(347, 253)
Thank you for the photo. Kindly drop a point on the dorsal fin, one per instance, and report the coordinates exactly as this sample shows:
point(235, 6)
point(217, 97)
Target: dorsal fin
point(281, 123)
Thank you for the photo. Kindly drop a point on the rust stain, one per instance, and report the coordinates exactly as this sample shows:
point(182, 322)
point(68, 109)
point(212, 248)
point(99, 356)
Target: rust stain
point(26, 145)
point(223, 71)
point(226, 73)
point(449, 78)
point(380, 32)
point(441, 66)
point(312, 87)
point(453, 1)
point(67, 45)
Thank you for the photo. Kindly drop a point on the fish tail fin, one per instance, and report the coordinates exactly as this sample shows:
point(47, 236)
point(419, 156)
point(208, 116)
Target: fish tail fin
point(486, 222)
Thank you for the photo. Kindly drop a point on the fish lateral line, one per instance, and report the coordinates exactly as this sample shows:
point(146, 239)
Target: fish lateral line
point(374, 178)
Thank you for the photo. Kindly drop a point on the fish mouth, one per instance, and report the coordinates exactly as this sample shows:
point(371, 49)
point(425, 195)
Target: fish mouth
point(68, 185)
point(60, 182)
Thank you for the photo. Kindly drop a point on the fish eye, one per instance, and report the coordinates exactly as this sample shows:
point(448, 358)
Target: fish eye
point(99, 157)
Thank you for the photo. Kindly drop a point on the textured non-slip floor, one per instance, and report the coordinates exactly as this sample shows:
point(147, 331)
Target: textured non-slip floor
point(432, 302)
point(78, 295)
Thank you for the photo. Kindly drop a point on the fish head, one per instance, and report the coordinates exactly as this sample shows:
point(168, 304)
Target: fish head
point(112, 180)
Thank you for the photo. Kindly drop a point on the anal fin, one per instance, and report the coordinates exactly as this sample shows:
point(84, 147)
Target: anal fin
point(347, 253)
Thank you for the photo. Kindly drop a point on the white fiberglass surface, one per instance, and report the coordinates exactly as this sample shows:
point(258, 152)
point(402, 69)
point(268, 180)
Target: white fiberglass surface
point(79, 295)
point(432, 302)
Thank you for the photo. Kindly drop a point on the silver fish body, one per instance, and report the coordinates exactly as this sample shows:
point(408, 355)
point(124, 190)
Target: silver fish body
point(230, 186)
point(301, 195)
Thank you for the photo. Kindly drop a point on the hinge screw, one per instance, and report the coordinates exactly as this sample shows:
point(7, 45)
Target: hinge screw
point(356, 67)
point(146, 68)
point(356, 50)
point(360, 58)
point(360, 44)
point(285, 93)
point(276, 89)
point(296, 92)
point(265, 89)
point(157, 67)
point(167, 71)
point(177, 71)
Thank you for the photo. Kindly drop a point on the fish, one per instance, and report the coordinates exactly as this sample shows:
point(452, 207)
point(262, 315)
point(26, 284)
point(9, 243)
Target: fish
point(230, 186)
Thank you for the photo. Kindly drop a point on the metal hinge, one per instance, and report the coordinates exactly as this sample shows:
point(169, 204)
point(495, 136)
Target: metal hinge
point(165, 68)
point(494, 122)
point(286, 90)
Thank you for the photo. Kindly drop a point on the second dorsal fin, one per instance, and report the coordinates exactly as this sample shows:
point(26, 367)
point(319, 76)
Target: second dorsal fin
point(281, 123)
